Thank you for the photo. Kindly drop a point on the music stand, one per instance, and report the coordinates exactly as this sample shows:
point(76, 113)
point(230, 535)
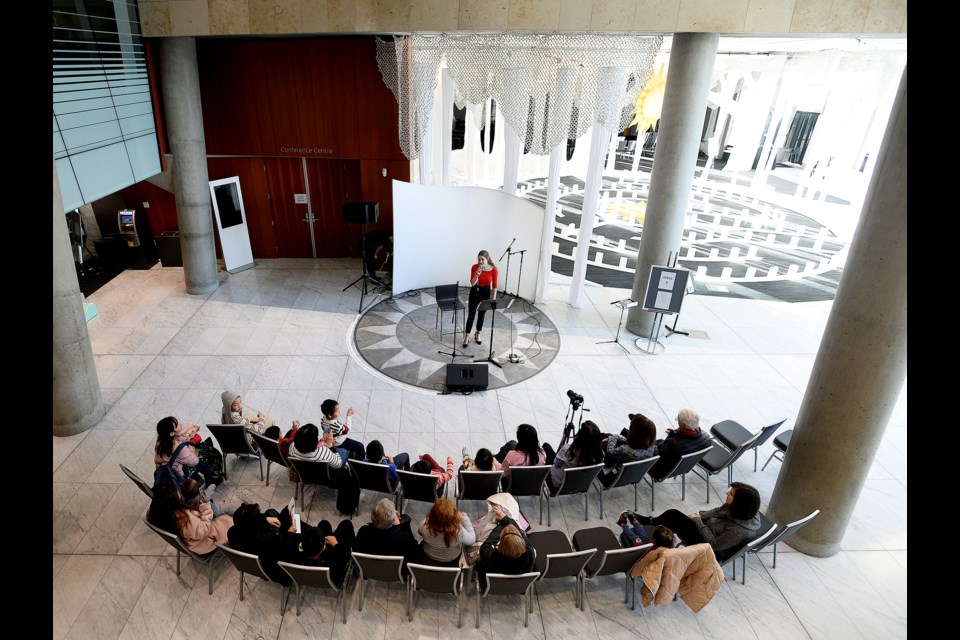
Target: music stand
point(624, 304)
point(490, 305)
point(454, 354)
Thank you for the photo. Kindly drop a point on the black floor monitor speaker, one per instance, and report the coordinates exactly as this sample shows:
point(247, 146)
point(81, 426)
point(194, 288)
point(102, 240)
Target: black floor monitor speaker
point(467, 377)
point(361, 212)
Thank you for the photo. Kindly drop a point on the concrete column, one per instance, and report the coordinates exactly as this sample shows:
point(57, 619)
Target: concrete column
point(77, 401)
point(860, 366)
point(692, 57)
point(181, 103)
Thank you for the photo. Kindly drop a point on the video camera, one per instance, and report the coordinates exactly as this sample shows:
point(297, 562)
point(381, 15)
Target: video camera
point(575, 398)
point(576, 403)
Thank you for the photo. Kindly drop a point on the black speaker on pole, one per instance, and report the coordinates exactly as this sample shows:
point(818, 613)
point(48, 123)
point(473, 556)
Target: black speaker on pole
point(361, 212)
point(467, 377)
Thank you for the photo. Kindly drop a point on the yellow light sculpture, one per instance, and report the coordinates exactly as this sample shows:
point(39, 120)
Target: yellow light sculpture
point(649, 102)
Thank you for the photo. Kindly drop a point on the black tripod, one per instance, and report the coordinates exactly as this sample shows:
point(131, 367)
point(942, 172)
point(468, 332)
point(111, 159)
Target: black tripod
point(576, 403)
point(490, 305)
point(367, 279)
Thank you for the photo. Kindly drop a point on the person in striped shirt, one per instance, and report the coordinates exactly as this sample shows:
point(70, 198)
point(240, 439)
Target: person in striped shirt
point(348, 447)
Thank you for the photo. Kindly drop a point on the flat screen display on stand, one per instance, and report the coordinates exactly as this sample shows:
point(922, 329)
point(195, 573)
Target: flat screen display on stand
point(231, 220)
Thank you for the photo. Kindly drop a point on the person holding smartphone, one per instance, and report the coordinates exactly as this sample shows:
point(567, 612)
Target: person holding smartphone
point(483, 286)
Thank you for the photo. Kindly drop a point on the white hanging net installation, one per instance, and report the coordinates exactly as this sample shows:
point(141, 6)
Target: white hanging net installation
point(519, 71)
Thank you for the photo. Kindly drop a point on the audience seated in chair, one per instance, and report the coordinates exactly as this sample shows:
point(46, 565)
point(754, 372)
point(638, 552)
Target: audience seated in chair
point(376, 455)
point(525, 450)
point(323, 547)
point(686, 438)
point(583, 451)
point(271, 535)
point(444, 531)
point(194, 521)
point(724, 528)
point(203, 458)
point(232, 413)
point(636, 534)
point(331, 422)
point(506, 549)
point(483, 461)
point(426, 464)
point(387, 534)
point(497, 504)
point(637, 444)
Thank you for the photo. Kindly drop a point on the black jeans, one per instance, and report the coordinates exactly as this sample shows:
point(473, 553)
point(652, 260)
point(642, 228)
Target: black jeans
point(678, 522)
point(477, 295)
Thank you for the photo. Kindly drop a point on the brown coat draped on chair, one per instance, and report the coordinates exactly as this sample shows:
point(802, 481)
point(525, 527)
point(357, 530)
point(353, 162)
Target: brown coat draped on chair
point(692, 571)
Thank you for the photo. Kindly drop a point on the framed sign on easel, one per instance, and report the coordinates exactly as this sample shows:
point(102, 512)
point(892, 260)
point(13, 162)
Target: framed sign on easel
point(664, 296)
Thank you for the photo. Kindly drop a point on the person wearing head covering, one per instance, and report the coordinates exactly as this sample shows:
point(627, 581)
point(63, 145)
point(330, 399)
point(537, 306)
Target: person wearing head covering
point(232, 413)
point(506, 549)
point(686, 438)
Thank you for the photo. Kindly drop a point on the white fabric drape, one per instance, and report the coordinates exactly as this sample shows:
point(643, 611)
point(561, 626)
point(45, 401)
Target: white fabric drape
point(513, 131)
point(446, 102)
point(612, 80)
point(560, 109)
point(427, 81)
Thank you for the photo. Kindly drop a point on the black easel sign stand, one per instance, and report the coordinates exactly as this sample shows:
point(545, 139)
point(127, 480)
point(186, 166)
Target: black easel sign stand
point(664, 295)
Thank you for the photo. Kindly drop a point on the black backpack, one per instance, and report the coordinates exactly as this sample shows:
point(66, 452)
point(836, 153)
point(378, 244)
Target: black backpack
point(166, 474)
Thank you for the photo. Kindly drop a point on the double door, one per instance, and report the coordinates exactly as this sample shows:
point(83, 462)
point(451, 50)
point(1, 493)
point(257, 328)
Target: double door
point(295, 205)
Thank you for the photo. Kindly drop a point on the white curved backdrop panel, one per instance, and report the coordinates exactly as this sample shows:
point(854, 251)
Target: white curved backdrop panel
point(438, 231)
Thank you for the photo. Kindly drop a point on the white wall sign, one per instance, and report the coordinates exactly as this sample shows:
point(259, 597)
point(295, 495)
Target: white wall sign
point(231, 220)
point(299, 198)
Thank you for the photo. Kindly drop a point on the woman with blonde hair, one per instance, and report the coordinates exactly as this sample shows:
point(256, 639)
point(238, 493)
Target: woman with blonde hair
point(444, 530)
point(506, 549)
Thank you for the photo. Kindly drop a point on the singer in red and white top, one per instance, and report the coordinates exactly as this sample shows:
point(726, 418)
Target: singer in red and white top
point(483, 286)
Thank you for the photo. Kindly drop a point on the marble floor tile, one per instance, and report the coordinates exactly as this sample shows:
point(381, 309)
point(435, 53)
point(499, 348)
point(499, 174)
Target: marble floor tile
point(280, 336)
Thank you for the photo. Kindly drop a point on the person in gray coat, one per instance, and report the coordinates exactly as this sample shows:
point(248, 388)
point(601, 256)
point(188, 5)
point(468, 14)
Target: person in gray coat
point(724, 528)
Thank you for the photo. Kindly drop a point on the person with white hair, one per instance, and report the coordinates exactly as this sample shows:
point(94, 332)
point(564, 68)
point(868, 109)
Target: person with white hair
point(686, 438)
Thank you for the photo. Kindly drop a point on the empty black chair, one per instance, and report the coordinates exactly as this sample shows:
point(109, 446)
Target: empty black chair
point(448, 299)
point(629, 473)
point(732, 435)
point(381, 569)
point(575, 480)
point(250, 563)
point(781, 442)
point(719, 459)
point(556, 559)
point(304, 576)
point(528, 481)
point(269, 449)
point(782, 533)
point(424, 577)
point(684, 465)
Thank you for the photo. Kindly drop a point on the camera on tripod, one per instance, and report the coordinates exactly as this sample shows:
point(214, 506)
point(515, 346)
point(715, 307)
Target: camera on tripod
point(576, 403)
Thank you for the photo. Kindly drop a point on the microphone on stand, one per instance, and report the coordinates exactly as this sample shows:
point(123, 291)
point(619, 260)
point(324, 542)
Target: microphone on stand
point(508, 249)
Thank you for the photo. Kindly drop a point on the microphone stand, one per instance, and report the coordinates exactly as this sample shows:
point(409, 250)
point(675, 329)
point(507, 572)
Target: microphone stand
point(506, 281)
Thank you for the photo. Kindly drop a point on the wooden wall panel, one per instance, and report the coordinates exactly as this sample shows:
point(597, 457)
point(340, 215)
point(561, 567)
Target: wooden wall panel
point(326, 88)
point(285, 180)
point(236, 112)
point(377, 110)
point(256, 201)
point(377, 188)
point(333, 183)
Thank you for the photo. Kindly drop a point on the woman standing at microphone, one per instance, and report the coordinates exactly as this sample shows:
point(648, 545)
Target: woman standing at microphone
point(483, 286)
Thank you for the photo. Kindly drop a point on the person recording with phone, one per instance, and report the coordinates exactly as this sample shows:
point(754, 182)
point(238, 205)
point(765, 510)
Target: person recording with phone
point(483, 286)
